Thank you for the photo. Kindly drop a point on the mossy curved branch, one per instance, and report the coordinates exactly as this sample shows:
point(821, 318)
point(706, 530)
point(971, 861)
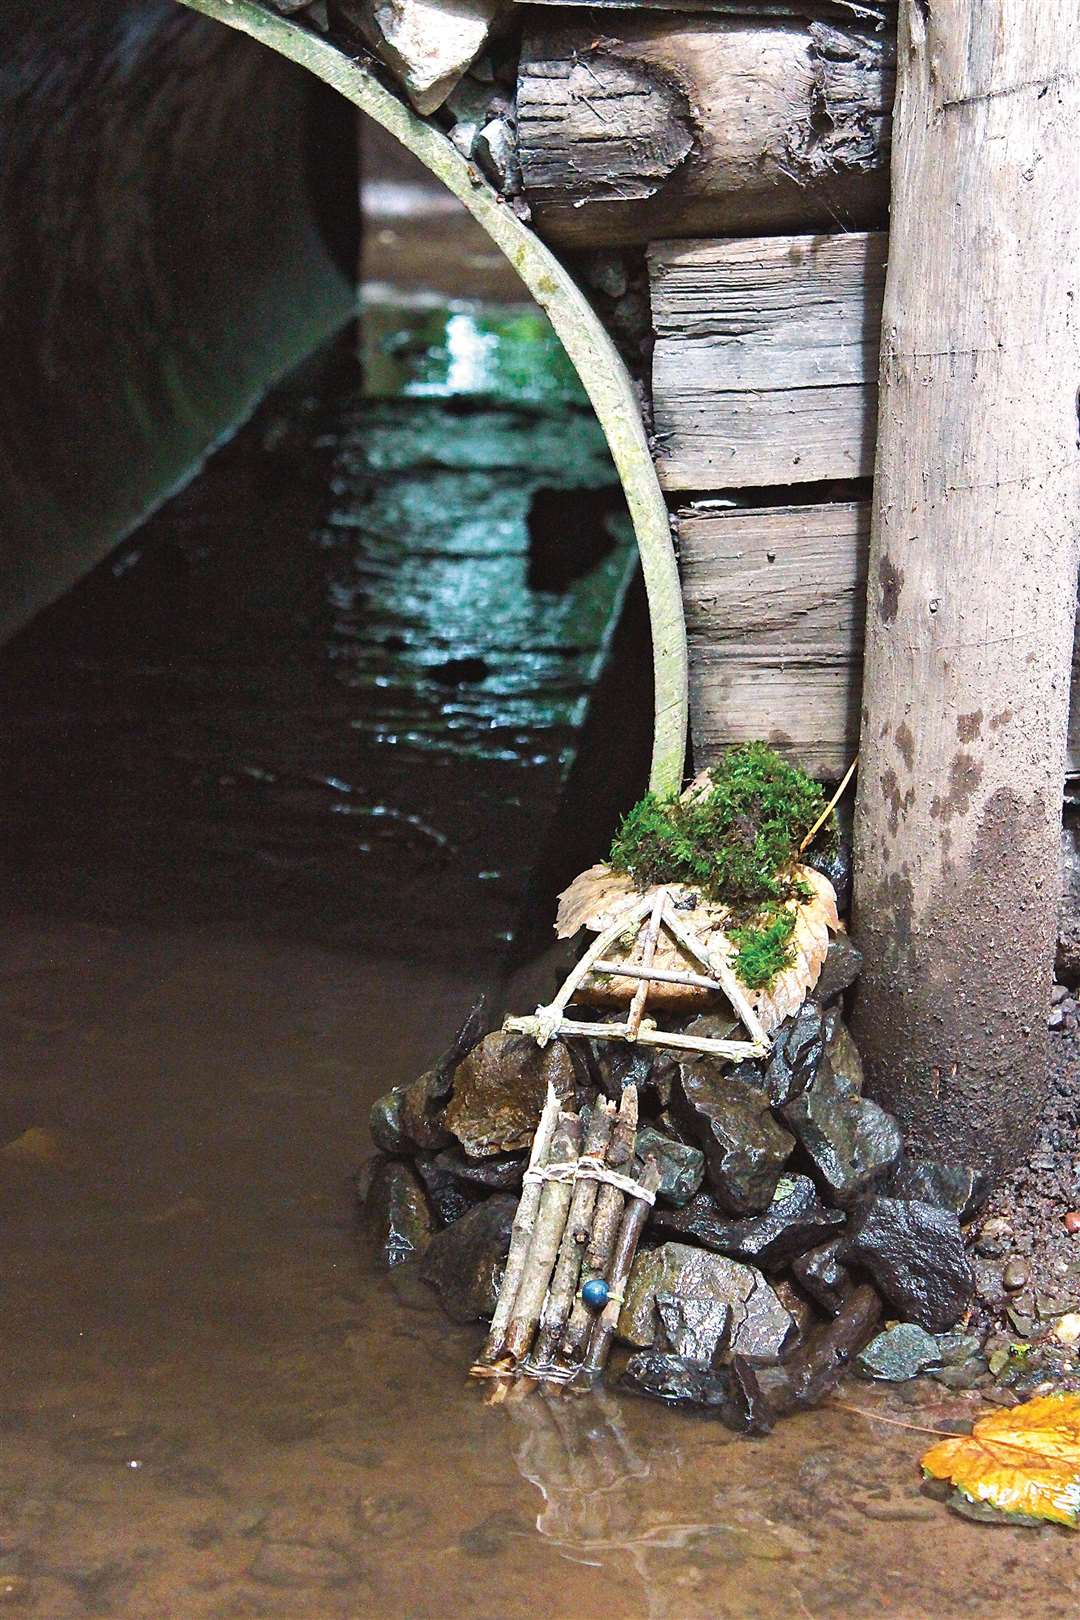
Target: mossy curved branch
point(588, 345)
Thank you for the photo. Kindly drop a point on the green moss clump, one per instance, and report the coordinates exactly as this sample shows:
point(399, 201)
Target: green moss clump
point(737, 842)
point(763, 952)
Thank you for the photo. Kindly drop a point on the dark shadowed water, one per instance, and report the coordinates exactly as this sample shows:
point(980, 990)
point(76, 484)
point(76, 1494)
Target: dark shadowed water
point(336, 685)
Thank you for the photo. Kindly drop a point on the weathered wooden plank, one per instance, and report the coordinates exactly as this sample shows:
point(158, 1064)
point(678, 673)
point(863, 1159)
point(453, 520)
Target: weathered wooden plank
point(882, 13)
point(702, 126)
point(775, 605)
point(775, 612)
point(765, 365)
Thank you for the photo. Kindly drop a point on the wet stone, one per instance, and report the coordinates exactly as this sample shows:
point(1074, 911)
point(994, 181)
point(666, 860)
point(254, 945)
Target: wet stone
point(842, 967)
point(843, 1054)
point(617, 1066)
point(695, 1328)
point(795, 1221)
point(750, 1410)
point(798, 1047)
point(900, 1353)
point(820, 1274)
point(799, 1308)
point(410, 1119)
point(759, 1326)
point(499, 1092)
point(915, 1253)
point(957, 1187)
point(464, 1263)
point(395, 1219)
point(851, 1142)
point(681, 1168)
point(955, 1348)
point(965, 1376)
point(836, 865)
point(1016, 1275)
point(745, 1149)
point(676, 1380)
point(500, 1173)
point(446, 1194)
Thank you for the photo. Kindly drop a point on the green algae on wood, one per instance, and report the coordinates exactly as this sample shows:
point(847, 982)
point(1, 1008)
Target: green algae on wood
point(582, 334)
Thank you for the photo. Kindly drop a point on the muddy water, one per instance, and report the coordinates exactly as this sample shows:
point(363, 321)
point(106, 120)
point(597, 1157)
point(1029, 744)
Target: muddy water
point(213, 1407)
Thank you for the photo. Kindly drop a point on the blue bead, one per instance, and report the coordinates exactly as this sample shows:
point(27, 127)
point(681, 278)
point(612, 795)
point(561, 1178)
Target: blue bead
point(595, 1294)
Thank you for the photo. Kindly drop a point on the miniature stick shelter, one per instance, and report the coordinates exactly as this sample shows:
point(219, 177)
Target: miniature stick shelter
point(658, 907)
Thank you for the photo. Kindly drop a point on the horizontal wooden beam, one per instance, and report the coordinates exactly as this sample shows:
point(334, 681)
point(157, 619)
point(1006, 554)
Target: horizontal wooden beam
point(881, 13)
point(668, 125)
point(765, 364)
point(775, 608)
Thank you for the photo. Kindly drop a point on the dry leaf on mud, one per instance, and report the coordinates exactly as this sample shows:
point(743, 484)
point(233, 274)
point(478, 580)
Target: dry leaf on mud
point(595, 899)
point(1022, 1460)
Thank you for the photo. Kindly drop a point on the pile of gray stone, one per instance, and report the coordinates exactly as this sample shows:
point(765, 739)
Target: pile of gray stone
point(790, 1226)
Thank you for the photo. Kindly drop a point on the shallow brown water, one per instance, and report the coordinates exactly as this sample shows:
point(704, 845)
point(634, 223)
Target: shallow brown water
point(213, 1407)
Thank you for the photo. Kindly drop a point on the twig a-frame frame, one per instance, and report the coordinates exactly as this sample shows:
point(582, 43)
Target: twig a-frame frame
point(647, 916)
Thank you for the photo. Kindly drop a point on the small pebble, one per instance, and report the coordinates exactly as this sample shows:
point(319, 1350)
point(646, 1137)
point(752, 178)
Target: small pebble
point(1001, 1397)
point(1072, 1222)
point(1067, 1330)
point(1016, 1274)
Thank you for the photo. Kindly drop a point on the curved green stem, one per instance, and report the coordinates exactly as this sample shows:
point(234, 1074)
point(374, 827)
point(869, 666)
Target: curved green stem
point(588, 345)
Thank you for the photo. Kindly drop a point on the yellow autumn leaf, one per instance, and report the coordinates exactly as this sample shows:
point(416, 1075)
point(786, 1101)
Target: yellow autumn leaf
point(1022, 1460)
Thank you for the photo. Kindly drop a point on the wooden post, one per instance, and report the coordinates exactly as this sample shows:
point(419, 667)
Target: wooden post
point(973, 570)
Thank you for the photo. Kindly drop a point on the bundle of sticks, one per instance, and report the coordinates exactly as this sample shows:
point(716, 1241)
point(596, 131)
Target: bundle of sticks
point(573, 1243)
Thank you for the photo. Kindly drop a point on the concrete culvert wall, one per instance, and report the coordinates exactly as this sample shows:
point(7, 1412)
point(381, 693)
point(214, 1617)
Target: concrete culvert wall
point(179, 227)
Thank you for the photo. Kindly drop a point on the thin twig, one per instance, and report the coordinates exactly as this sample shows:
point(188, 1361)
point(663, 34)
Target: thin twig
point(652, 934)
point(896, 1423)
point(830, 807)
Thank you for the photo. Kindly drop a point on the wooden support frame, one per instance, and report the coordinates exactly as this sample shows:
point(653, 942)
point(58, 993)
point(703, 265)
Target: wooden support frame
point(591, 351)
point(652, 912)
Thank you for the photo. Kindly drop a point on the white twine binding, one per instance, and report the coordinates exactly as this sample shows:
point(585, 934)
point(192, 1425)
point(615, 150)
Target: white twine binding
point(588, 1169)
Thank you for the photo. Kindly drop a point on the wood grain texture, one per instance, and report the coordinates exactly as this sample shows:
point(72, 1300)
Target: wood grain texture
point(663, 126)
point(765, 359)
point(775, 603)
point(973, 567)
point(879, 13)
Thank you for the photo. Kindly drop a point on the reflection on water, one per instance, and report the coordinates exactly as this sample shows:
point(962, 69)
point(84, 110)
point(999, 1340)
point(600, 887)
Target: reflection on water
point(341, 679)
point(430, 349)
point(605, 1497)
